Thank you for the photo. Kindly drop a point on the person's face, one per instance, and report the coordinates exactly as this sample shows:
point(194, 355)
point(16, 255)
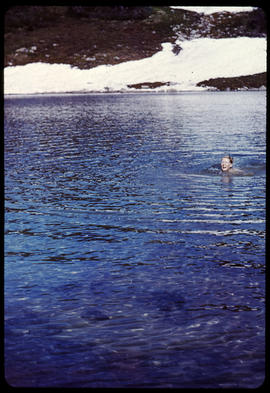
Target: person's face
point(225, 164)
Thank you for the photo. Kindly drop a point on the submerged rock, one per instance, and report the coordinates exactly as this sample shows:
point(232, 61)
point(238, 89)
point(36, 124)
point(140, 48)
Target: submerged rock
point(94, 315)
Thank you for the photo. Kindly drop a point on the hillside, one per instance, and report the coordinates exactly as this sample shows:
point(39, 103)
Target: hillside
point(87, 37)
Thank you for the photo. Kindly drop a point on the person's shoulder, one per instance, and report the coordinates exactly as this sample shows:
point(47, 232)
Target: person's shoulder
point(236, 171)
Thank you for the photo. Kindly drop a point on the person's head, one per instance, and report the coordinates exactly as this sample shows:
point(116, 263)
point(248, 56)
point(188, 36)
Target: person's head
point(226, 163)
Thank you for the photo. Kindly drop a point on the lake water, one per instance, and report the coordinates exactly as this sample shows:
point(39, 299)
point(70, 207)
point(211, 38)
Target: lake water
point(130, 260)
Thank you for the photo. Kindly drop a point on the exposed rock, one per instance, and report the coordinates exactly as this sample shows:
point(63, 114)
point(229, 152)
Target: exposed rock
point(22, 50)
point(176, 49)
point(255, 81)
point(148, 85)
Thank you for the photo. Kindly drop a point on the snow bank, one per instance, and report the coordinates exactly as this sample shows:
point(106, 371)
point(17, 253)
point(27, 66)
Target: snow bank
point(199, 59)
point(210, 10)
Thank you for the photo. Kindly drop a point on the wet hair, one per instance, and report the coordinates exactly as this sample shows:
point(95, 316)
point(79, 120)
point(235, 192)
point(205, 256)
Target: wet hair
point(230, 158)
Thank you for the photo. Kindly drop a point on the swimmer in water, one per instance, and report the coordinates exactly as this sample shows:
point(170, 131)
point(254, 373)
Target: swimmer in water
point(226, 166)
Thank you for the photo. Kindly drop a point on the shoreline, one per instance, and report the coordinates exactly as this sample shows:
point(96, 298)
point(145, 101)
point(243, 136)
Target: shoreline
point(179, 92)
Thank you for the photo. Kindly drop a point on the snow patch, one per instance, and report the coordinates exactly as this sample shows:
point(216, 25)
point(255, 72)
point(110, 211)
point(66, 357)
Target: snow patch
point(211, 10)
point(199, 59)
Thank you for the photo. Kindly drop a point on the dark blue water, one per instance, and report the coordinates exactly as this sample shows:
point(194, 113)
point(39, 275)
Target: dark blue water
point(130, 261)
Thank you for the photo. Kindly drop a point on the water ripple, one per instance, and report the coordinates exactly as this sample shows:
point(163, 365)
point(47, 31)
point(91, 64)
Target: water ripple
point(129, 260)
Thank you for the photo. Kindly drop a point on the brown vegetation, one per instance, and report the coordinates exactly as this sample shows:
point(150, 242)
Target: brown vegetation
point(86, 37)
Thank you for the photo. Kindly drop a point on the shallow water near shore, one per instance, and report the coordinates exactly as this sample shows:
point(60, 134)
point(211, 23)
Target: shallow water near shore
point(130, 261)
